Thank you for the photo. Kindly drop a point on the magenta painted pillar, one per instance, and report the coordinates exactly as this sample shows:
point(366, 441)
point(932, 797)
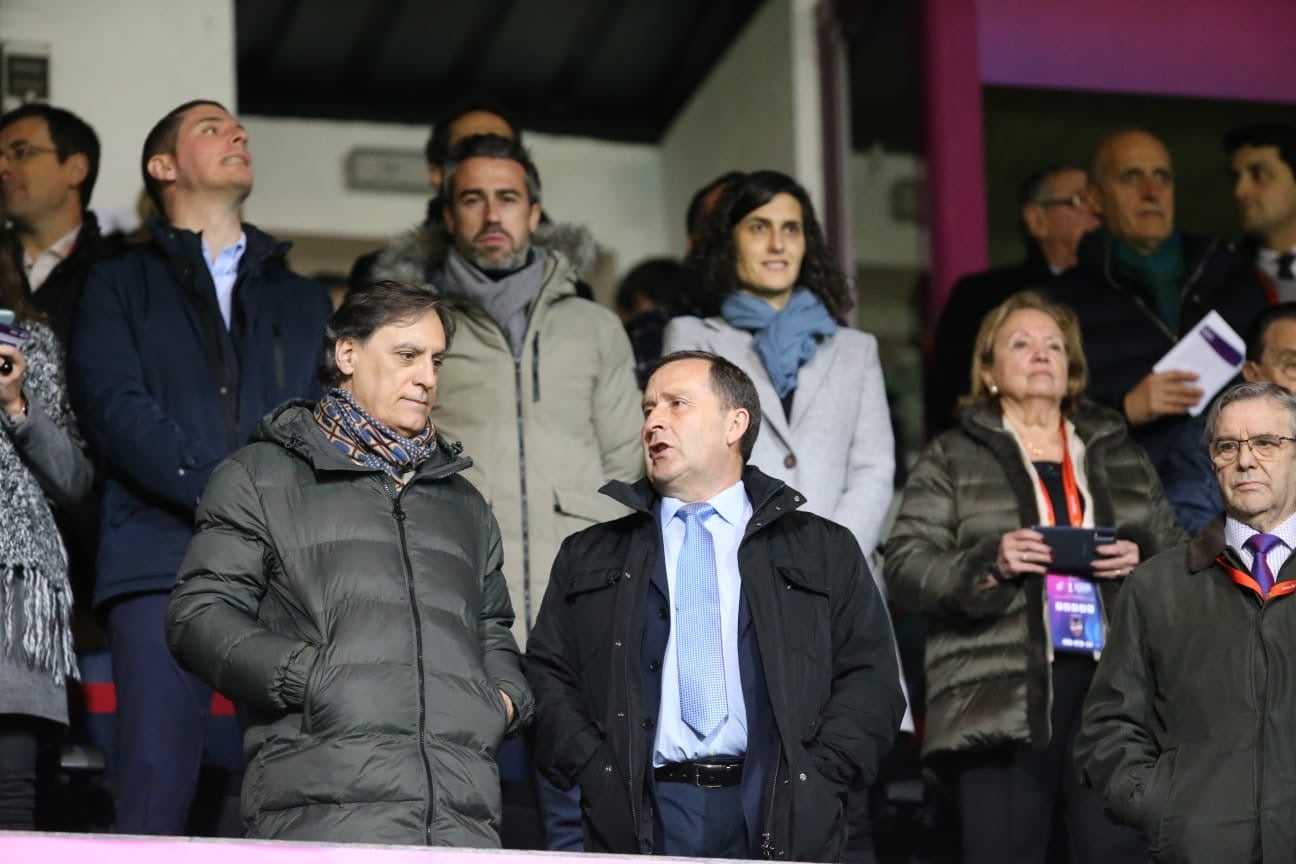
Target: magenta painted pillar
point(954, 146)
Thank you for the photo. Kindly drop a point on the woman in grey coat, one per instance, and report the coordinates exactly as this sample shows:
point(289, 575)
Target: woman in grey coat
point(42, 465)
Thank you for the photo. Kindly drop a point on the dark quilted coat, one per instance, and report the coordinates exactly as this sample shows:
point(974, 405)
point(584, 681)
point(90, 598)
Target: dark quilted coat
point(366, 639)
point(987, 662)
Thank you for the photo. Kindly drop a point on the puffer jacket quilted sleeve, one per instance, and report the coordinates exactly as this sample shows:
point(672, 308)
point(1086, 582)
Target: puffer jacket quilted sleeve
point(931, 568)
point(212, 626)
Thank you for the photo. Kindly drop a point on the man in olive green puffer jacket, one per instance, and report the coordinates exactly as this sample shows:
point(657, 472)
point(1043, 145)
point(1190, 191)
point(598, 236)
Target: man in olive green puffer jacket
point(344, 587)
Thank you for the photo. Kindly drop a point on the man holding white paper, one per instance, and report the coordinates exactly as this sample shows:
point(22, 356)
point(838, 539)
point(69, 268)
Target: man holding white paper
point(1141, 285)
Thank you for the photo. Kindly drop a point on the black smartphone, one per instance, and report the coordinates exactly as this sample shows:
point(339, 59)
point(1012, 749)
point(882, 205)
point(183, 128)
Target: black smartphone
point(1073, 548)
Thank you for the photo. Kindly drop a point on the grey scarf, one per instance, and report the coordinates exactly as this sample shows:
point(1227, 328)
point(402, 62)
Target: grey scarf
point(506, 300)
point(35, 597)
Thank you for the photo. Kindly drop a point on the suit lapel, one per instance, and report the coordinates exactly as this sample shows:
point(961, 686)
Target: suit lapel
point(811, 377)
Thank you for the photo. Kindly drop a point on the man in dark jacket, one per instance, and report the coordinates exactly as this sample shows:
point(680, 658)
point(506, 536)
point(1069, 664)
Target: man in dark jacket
point(49, 164)
point(714, 671)
point(47, 175)
point(344, 585)
point(179, 348)
point(1140, 285)
point(1187, 723)
point(1054, 213)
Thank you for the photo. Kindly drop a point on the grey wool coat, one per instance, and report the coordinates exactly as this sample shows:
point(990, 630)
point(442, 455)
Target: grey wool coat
point(366, 637)
point(837, 448)
point(42, 466)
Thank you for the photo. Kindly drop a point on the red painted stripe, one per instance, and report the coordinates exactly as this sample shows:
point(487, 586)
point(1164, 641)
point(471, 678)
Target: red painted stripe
point(101, 698)
point(221, 707)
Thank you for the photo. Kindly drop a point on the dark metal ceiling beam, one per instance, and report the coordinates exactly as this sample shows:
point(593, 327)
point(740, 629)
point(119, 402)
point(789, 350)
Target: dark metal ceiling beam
point(304, 98)
point(380, 17)
point(475, 44)
point(255, 65)
point(589, 34)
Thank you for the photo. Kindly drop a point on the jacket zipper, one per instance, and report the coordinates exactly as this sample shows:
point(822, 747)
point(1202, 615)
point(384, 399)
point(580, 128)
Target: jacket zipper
point(535, 368)
point(399, 515)
point(1258, 790)
point(522, 491)
point(767, 837)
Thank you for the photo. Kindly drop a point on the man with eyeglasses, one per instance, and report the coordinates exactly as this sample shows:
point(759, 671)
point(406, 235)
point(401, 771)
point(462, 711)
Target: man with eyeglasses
point(1140, 284)
point(1054, 214)
point(49, 160)
point(1187, 726)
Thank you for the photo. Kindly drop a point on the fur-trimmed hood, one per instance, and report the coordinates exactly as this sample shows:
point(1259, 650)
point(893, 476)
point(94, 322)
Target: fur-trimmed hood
point(418, 256)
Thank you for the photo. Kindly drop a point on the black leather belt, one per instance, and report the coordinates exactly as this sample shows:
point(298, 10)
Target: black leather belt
point(709, 774)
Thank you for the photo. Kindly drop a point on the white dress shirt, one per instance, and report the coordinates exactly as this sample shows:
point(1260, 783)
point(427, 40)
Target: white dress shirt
point(1267, 261)
point(39, 268)
point(676, 741)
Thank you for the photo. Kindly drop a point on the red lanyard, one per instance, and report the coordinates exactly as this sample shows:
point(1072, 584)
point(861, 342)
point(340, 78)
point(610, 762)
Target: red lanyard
point(1075, 510)
point(1279, 589)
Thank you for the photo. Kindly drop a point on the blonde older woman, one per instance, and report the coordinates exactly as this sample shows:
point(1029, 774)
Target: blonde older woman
point(1011, 647)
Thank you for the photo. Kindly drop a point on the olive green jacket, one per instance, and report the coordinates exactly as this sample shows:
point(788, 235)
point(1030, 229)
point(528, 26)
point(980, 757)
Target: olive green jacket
point(988, 657)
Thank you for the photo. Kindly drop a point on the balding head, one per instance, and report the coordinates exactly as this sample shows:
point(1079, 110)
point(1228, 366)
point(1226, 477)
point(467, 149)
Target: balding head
point(1132, 186)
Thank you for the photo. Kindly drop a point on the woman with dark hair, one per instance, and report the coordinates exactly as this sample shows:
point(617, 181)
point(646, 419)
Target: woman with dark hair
point(779, 306)
point(42, 464)
point(1011, 641)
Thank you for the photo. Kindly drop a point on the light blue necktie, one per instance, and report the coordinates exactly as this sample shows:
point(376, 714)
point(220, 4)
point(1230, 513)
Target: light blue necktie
point(698, 643)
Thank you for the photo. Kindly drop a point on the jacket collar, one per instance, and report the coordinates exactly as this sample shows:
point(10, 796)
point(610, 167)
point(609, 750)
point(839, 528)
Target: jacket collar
point(1208, 546)
point(182, 243)
point(293, 427)
point(764, 491)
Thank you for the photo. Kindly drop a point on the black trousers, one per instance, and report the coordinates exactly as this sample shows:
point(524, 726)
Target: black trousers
point(1011, 799)
point(18, 747)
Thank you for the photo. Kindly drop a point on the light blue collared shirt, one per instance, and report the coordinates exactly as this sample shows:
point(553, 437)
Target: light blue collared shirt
point(1237, 533)
point(224, 273)
point(676, 742)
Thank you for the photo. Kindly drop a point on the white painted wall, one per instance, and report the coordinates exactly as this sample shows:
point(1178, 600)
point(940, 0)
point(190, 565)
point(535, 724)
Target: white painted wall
point(614, 189)
point(743, 117)
point(122, 65)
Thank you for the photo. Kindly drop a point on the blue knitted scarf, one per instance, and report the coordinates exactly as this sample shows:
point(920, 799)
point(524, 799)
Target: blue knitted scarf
point(784, 338)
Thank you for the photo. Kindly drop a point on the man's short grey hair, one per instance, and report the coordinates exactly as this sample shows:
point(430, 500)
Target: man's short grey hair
point(1250, 390)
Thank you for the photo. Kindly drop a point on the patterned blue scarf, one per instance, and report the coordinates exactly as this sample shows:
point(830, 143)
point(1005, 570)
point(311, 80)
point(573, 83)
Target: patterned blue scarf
point(784, 338)
point(369, 442)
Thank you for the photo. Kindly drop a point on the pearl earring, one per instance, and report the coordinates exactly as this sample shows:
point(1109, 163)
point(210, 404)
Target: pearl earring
point(994, 389)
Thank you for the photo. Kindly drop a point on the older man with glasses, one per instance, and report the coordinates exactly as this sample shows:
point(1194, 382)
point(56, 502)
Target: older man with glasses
point(1139, 285)
point(1054, 214)
point(1187, 727)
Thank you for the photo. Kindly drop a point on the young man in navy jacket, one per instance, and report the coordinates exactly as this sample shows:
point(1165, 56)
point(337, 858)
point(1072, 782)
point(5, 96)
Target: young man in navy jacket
point(179, 347)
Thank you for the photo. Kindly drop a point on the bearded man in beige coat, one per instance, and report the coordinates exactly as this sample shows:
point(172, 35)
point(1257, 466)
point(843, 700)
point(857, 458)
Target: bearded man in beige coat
point(540, 381)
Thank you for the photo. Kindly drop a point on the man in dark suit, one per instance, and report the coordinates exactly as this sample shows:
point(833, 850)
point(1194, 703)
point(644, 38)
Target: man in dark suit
point(715, 671)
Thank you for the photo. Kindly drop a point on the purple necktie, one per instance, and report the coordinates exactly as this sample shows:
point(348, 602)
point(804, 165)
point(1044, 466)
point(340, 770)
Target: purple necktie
point(1260, 544)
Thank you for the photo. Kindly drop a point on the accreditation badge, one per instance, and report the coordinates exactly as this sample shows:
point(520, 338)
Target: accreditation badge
point(1074, 613)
